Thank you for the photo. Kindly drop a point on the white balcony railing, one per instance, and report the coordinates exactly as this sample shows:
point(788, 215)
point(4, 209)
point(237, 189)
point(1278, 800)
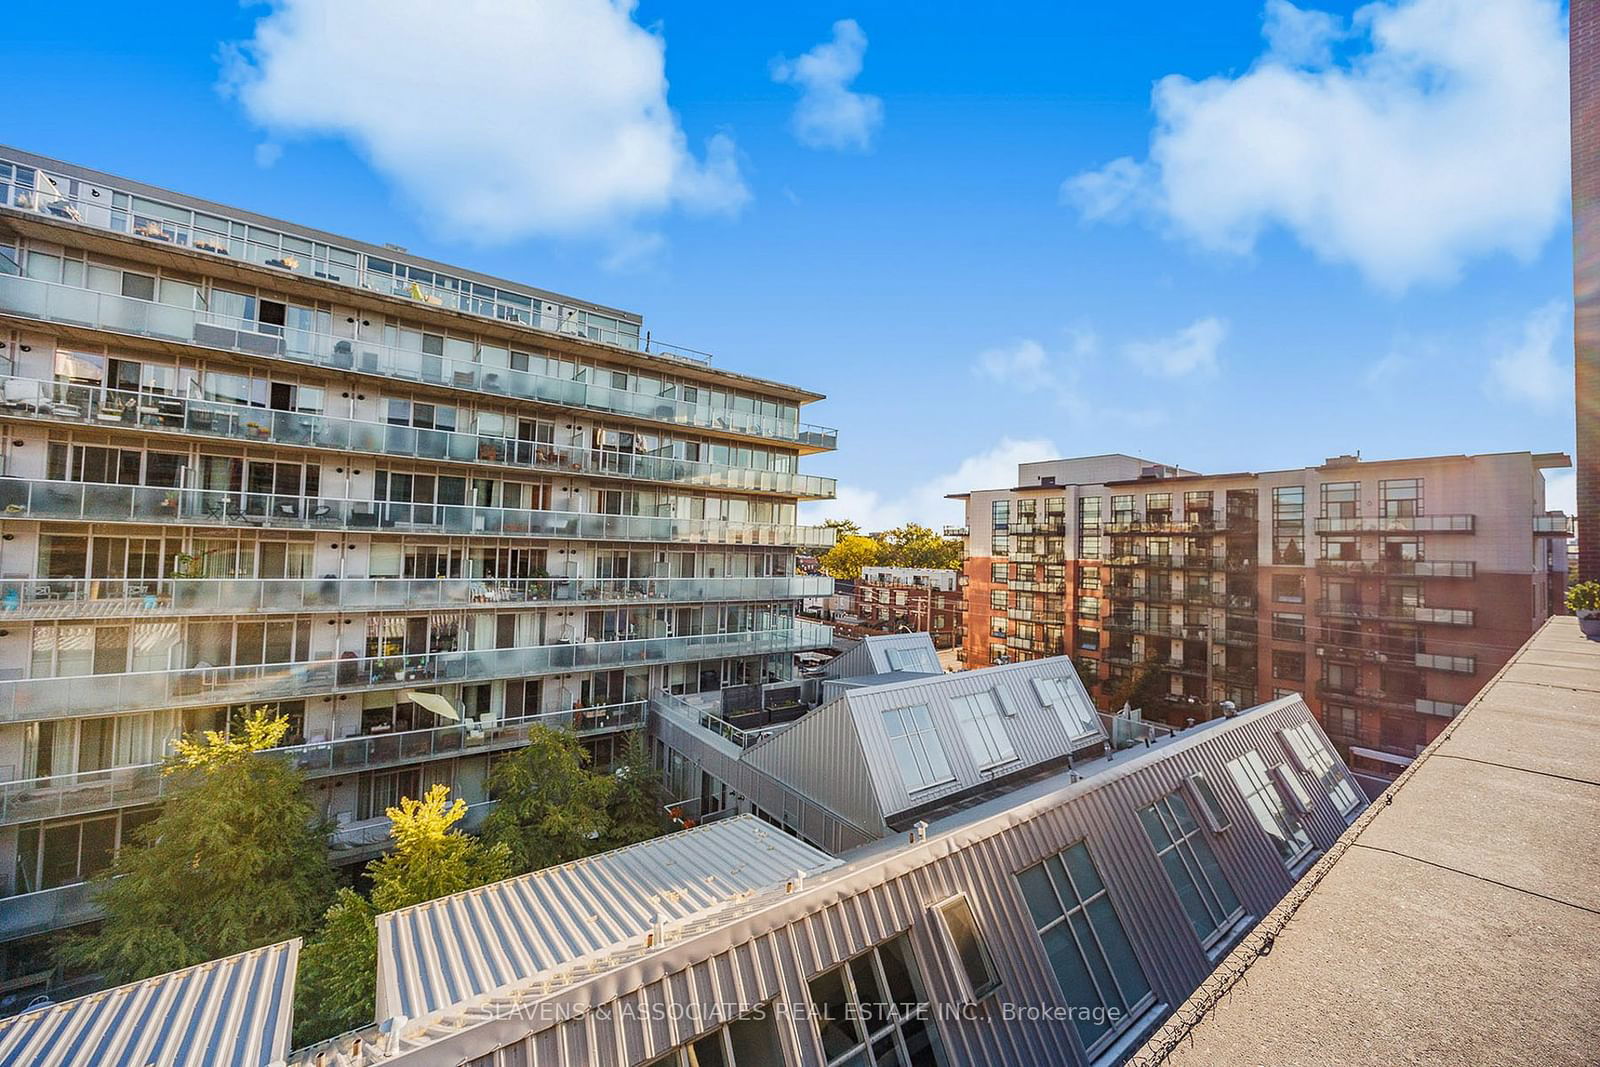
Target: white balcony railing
point(95, 502)
point(27, 699)
point(64, 402)
point(62, 598)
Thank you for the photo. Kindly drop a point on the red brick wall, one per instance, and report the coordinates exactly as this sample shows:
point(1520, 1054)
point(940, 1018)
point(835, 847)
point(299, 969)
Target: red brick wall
point(1585, 44)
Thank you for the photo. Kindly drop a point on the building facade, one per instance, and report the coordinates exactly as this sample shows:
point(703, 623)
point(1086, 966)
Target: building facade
point(1387, 591)
point(1584, 41)
point(414, 508)
point(898, 600)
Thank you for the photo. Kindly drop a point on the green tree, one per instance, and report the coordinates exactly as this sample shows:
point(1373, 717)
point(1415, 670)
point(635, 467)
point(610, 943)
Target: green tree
point(846, 558)
point(915, 545)
point(1143, 687)
point(430, 859)
point(549, 807)
point(843, 528)
point(638, 798)
point(236, 859)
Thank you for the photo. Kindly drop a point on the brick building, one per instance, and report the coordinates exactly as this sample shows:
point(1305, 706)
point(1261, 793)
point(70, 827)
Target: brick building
point(1585, 44)
point(1386, 591)
point(897, 600)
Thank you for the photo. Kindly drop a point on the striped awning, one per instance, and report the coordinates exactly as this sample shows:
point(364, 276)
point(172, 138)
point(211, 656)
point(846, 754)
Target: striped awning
point(451, 950)
point(235, 1011)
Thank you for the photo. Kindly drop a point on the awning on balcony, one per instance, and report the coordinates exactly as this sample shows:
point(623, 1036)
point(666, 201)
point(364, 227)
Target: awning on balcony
point(233, 1011)
point(433, 702)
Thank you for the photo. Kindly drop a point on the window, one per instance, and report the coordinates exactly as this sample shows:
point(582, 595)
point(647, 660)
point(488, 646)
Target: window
point(1191, 867)
point(749, 1041)
point(1400, 498)
point(1289, 525)
point(916, 747)
point(1341, 500)
point(997, 599)
point(1100, 977)
point(1288, 626)
point(1249, 774)
point(997, 572)
point(979, 719)
point(1289, 588)
point(1289, 666)
point(875, 1001)
point(966, 943)
point(1342, 720)
point(1076, 715)
point(910, 659)
point(1000, 512)
point(1206, 800)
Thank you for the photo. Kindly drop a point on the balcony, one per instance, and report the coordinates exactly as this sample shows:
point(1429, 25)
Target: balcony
point(117, 409)
point(95, 502)
point(28, 699)
point(1050, 525)
point(1407, 568)
point(1157, 524)
point(1238, 638)
point(107, 790)
point(1398, 612)
point(957, 531)
point(46, 910)
point(1397, 524)
point(70, 306)
point(77, 598)
point(1354, 693)
point(1554, 524)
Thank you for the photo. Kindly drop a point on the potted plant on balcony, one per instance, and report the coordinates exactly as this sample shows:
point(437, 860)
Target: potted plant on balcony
point(1584, 600)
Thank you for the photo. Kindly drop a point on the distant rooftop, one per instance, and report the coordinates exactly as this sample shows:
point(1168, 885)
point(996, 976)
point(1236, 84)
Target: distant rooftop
point(1457, 920)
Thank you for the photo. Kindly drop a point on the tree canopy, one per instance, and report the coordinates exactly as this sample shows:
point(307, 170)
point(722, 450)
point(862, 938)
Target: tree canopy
point(430, 859)
point(911, 545)
point(236, 859)
point(549, 807)
point(636, 809)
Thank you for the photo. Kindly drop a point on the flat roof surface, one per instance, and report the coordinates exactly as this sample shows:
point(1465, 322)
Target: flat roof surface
point(1458, 923)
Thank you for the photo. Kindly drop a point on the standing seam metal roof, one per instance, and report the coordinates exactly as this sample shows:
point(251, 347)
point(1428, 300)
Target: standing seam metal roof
point(235, 1011)
point(446, 951)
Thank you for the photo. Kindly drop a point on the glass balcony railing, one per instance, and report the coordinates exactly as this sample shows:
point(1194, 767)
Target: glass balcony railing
point(119, 787)
point(1556, 523)
point(95, 502)
point(1416, 568)
point(1397, 524)
point(65, 598)
point(26, 699)
point(1396, 610)
point(89, 405)
point(54, 302)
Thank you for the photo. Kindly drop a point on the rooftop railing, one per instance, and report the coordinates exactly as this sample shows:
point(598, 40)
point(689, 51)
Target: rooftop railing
point(64, 598)
point(121, 409)
point(28, 699)
point(112, 312)
point(96, 502)
point(60, 795)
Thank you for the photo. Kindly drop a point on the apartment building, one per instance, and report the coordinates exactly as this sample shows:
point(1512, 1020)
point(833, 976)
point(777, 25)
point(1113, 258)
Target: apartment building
point(898, 600)
point(412, 507)
point(1388, 591)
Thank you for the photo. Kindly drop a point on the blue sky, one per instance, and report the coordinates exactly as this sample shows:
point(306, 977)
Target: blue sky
point(1333, 231)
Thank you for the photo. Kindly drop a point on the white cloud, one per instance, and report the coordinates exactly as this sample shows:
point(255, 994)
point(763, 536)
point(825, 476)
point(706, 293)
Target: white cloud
point(926, 503)
point(1532, 370)
point(1192, 350)
point(830, 114)
point(1440, 139)
point(1071, 377)
point(497, 120)
point(268, 153)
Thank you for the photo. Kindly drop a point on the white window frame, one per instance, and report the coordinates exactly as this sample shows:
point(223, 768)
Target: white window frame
point(947, 940)
point(1312, 755)
point(982, 726)
point(1203, 796)
point(1054, 693)
point(918, 741)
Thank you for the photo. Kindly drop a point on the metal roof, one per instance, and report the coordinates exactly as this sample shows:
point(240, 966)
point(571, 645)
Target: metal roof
point(459, 947)
point(234, 1011)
